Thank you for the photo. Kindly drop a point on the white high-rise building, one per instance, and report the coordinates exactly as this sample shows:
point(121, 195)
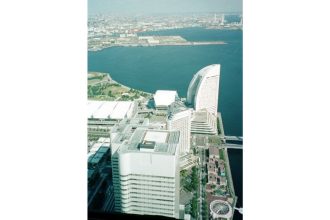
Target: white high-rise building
point(203, 122)
point(203, 89)
point(146, 172)
point(180, 119)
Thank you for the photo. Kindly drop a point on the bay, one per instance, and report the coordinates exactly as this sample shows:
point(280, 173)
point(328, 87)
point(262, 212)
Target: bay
point(172, 67)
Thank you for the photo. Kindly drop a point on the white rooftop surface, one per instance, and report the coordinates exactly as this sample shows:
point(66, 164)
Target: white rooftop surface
point(211, 70)
point(104, 140)
point(121, 110)
point(108, 109)
point(93, 106)
point(105, 110)
point(157, 136)
point(164, 97)
point(95, 147)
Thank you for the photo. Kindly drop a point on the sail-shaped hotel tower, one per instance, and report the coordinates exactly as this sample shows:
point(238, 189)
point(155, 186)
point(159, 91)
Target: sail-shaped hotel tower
point(203, 95)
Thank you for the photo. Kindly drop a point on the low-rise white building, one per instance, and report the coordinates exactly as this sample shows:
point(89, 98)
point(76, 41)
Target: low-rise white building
point(115, 110)
point(102, 115)
point(164, 98)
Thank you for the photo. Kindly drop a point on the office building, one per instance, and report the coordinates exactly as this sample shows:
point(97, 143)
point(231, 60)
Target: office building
point(145, 166)
point(100, 187)
point(179, 118)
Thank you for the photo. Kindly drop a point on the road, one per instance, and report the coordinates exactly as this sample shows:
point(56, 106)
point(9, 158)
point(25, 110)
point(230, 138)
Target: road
point(233, 146)
point(201, 152)
point(234, 138)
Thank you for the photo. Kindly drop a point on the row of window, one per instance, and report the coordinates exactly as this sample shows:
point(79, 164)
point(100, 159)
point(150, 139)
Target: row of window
point(147, 190)
point(146, 194)
point(145, 186)
point(148, 204)
point(146, 180)
point(137, 211)
point(148, 198)
point(146, 208)
point(152, 176)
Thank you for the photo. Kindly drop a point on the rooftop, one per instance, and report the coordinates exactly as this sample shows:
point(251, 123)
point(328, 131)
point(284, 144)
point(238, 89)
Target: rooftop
point(134, 138)
point(102, 142)
point(200, 116)
point(210, 70)
point(160, 119)
point(109, 109)
point(165, 97)
point(214, 151)
point(177, 107)
point(156, 136)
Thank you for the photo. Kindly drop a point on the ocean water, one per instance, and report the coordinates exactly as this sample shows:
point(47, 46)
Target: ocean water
point(172, 68)
point(236, 167)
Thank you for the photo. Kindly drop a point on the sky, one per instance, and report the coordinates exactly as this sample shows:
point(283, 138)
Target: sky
point(162, 6)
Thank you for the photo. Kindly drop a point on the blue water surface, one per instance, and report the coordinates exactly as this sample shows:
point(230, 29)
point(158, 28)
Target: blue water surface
point(172, 67)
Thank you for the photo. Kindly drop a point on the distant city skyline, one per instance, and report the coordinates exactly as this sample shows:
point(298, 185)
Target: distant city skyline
point(162, 6)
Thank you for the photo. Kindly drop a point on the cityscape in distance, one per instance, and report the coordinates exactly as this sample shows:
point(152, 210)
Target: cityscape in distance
point(164, 107)
point(108, 31)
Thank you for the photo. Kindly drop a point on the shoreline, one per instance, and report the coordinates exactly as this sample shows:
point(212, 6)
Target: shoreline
point(114, 81)
point(193, 43)
point(111, 81)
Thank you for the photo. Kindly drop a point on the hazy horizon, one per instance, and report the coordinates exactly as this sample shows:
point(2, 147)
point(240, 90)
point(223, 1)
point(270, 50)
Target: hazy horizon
point(163, 6)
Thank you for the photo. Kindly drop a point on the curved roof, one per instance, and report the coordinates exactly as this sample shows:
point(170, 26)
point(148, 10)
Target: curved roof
point(205, 83)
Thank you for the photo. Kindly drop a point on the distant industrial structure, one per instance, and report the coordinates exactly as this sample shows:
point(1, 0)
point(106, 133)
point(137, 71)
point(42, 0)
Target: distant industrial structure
point(223, 19)
point(109, 31)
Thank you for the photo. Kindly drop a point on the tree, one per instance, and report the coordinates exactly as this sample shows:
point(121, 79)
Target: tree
point(194, 207)
point(218, 126)
point(90, 91)
point(205, 210)
point(194, 179)
point(204, 181)
point(183, 173)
